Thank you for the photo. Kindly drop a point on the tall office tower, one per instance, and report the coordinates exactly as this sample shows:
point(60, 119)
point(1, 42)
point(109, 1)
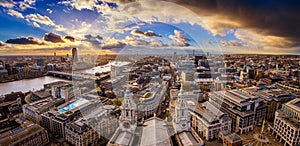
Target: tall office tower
point(74, 55)
point(2, 65)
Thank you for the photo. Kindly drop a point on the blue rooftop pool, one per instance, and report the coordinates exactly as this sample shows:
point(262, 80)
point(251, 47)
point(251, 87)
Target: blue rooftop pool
point(73, 105)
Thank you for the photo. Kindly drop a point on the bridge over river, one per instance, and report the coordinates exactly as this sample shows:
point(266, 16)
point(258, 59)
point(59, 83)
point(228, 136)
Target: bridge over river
point(77, 76)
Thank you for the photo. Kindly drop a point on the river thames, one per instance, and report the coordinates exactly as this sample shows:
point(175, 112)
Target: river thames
point(27, 84)
point(38, 83)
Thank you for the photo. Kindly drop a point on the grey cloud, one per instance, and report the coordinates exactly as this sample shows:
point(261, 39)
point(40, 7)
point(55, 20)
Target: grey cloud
point(70, 38)
point(25, 41)
point(145, 34)
point(89, 37)
point(93, 39)
point(52, 37)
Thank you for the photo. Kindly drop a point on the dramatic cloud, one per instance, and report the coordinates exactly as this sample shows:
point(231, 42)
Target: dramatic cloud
point(271, 25)
point(95, 40)
point(30, 45)
point(278, 20)
point(15, 13)
point(52, 37)
point(144, 34)
point(40, 19)
point(92, 37)
point(7, 3)
point(70, 38)
point(271, 20)
point(132, 41)
point(25, 41)
point(180, 38)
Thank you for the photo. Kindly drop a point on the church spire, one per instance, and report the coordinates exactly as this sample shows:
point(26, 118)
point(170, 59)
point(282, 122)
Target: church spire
point(128, 108)
point(182, 115)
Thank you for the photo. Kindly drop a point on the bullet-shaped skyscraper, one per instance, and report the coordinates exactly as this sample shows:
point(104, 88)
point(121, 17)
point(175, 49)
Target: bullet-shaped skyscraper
point(74, 55)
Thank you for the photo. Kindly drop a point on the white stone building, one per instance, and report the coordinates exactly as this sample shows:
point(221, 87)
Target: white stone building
point(208, 121)
point(78, 133)
point(286, 125)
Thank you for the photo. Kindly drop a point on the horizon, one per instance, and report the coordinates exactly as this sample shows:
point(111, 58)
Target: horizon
point(44, 27)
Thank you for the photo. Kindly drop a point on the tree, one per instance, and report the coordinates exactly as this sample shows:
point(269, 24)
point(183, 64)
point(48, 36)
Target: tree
point(118, 101)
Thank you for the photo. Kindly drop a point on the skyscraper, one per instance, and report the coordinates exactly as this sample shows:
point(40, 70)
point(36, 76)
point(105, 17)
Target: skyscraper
point(2, 66)
point(74, 55)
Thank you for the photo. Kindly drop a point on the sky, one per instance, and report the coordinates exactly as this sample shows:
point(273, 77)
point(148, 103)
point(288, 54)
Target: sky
point(42, 27)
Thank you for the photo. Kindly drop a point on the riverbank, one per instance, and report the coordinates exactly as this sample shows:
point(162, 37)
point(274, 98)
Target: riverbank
point(26, 85)
point(12, 80)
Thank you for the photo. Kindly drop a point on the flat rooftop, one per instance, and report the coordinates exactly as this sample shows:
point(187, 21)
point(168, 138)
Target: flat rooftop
point(23, 132)
point(79, 125)
point(42, 93)
point(40, 103)
point(188, 139)
point(288, 119)
point(233, 138)
point(236, 96)
point(74, 104)
point(98, 112)
point(294, 104)
point(297, 104)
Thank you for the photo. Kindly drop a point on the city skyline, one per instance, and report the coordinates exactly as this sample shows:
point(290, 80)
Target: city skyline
point(110, 26)
point(149, 72)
